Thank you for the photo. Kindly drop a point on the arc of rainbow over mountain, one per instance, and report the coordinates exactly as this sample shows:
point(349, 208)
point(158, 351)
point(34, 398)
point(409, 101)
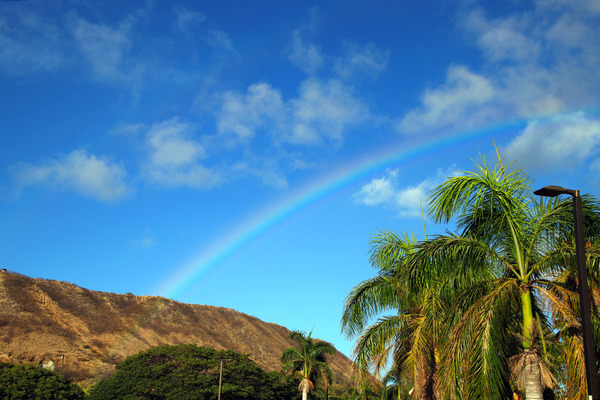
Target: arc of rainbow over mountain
point(267, 218)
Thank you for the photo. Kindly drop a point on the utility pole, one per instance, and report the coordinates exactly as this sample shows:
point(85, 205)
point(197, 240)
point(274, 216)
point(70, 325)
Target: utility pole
point(221, 375)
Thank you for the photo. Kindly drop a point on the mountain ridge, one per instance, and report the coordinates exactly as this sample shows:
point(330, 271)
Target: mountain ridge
point(83, 334)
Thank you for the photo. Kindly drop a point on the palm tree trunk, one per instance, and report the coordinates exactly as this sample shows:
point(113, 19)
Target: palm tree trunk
point(305, 393)
point(532, 371)
point(527, 319)
point(533, 382)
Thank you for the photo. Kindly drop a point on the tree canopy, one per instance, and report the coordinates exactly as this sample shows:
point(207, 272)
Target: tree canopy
point(26, 382)
point(191, 372)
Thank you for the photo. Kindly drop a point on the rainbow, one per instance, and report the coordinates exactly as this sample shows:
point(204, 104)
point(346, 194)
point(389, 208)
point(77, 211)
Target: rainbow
point(274, 214)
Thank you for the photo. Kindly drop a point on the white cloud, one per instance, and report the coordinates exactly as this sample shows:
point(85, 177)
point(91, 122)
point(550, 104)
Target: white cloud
point(243, 114)
point(265, 170)
point(306, 56)
point(29, 43)
point(220, 40)
point(170, 147)
point(174, 158)
point(387, 192)
point(461, 99)
point(103, 46)
point(379, 191)
point(582, 6)
point(79, 172)
point(186, 19)
point(536, 63)
point(323, 111)
point(559, 143)
point(108, 50)
point(359, 61)
point(504, 39)
point(128, 129)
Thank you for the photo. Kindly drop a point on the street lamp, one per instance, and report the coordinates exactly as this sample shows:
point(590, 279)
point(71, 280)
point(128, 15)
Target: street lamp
point(584, 291)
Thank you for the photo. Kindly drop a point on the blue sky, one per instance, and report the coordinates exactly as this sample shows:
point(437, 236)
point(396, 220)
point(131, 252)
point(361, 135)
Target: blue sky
point(242, 154)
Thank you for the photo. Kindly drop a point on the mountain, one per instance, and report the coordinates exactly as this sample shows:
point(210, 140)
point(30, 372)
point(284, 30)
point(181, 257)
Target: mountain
point(82, 334)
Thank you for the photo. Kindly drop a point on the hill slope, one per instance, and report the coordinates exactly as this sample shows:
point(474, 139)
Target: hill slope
point(84, 333)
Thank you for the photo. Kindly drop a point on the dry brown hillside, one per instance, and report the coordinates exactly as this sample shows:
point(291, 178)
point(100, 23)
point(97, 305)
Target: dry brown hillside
point(85, 333)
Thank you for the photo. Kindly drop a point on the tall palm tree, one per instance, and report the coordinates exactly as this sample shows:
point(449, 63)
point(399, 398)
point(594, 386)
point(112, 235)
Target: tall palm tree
point(507, 248)
point(307, 361)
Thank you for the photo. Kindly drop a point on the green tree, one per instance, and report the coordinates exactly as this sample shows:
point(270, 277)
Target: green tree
point(510, 248)
point(190, 372)
point(308, 361)
point(20, 382)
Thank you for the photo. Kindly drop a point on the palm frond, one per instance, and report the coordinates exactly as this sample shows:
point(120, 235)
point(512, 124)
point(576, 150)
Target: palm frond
point(366, 301)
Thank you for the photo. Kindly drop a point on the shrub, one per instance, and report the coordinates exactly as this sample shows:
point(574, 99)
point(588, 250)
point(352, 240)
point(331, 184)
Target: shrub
point(31, 383)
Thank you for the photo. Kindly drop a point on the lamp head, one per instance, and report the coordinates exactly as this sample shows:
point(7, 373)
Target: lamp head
point(553, 191)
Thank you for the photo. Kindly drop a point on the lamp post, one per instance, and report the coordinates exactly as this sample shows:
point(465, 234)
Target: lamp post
point(584, 291)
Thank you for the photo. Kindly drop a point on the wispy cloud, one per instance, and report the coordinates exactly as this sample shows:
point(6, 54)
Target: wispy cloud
point(583, 6)
point(465, 93)
point(185, 20)
point(301, 51)
point(242, 114)
point(30, 43)
point(380, 191)
point(220, 40)
point(174, 157)
point(537, 63)
point(306, 56)
point(323, 111)
point(563, 142)
point(320, 114)
point(145, 242)
point(274, 133)
point(359, 61)
point(504, 39)
point(86, 174)
point(105, 47)
point(266, 170)
point(386, 191)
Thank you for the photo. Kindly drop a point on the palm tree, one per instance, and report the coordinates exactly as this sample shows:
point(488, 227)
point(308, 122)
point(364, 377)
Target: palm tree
point(507, 249)
point(307, 361)
point(409, 338)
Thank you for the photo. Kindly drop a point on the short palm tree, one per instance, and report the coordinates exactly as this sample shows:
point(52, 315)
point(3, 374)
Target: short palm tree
point(307, 361)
